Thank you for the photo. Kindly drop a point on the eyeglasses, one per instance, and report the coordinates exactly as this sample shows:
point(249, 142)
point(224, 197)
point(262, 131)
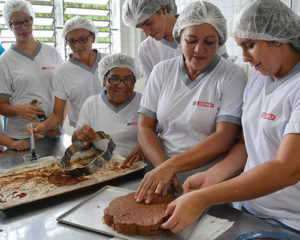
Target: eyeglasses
point(17, 25)
point(117, 80)
point(80, 40)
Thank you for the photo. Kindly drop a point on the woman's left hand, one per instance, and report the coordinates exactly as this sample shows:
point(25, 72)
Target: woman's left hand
point(136, 155)
point(184, 210)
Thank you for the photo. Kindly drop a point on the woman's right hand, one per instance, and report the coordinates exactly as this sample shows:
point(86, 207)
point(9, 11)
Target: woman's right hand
point(38, 129)
point(85, 134)
point(29, 111)
point(199, 180)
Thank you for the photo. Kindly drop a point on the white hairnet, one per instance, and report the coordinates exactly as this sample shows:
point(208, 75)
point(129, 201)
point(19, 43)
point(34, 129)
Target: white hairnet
point(79, 23)
point(12, 6)
point(269, 20)
point(198, 13)
point(118, 60)
point(137, 11)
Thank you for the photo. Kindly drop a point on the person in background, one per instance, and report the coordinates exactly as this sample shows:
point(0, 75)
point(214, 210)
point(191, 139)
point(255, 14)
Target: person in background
point(2, 50)
point(115, 110)
point(268, 153)
point(26, 72)
point(156, 19)
point(191, 107)
point(77, 79)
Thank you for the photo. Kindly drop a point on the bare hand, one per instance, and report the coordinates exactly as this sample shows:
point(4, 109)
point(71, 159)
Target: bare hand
point(38, 129)
point(154, 182)
point(29, 111)
point(199, 180)
point(184, 210)
point(54, 132)
point(85, 134)
point(19, 145)
point(136, 155)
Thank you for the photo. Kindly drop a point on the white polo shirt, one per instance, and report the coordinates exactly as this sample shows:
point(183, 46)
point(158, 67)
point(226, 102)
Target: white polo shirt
point(152, 52)
point(75, 82)
point(271, 110)
point(120, 123)
point(187, 111)
point(25, 77)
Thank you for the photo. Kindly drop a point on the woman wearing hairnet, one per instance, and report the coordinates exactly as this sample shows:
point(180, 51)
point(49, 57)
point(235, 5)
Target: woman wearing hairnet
point(115, 110)
point(26, 72)
point(268, 153)
point(76, 79)
point(156, 19)
point(194, 101)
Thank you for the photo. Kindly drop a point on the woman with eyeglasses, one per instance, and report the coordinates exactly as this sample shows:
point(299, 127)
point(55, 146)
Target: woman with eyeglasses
point(76, 79)
point(26, 72)
point(115, 110)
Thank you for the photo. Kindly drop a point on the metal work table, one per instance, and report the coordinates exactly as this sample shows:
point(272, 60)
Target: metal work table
point(38, 220)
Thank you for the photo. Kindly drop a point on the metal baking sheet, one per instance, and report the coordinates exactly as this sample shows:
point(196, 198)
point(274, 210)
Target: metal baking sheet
point(16, 192)
point(89, 215)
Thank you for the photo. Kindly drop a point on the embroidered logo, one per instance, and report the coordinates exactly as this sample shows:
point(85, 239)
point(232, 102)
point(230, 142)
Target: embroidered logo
point(131, 124)
point(204, 104)
point(48, 68)
point(268, 116)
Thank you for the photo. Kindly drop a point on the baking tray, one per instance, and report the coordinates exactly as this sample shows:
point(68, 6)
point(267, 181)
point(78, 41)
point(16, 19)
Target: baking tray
point(16, 189)
point(89, 215)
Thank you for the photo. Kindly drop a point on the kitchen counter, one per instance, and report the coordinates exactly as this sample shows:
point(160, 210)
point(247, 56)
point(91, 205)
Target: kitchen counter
point(38, 220)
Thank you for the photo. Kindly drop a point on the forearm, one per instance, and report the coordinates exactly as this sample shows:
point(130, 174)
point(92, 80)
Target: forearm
point(204, 152)
point(150, 145)
point(53, 121)
point(8, 110)
point(259, 181)
point(5, 140)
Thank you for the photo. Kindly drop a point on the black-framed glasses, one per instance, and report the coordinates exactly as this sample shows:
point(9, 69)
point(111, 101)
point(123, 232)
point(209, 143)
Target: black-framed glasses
point(81, 40)
point(117, 80)
point(26, 22)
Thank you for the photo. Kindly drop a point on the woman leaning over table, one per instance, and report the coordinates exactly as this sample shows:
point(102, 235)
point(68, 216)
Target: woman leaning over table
point(115, 110)
point(156, 19)
point(26, 72)
point(268, 153)
point(194, 101)
point(77, 79)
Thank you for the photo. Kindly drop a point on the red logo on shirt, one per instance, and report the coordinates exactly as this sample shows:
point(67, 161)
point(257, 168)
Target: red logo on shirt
point(204, 104)
point(131, 123)
point(48, 68)
point(268, 116)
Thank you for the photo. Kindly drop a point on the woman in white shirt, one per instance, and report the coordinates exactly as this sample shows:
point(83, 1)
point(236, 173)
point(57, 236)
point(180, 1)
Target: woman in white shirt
point(268, 153)
point(115, 110)
point(26, 72)
point(191, 107)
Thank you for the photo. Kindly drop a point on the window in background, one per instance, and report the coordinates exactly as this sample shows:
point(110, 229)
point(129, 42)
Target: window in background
point(49, 20)
point(99, 12)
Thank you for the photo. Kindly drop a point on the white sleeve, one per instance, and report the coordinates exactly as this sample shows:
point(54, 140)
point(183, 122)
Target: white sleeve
point(5, 83)
point(59, 89)
point(145, 62)
point(84, 115)
point(232, 91)
point(149, 102)
point(293, 125)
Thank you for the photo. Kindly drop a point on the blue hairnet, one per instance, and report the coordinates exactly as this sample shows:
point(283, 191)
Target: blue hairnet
point(269, 20)
point(198, 13)
point(137, 11)
point(117, 60)
point(12, 6)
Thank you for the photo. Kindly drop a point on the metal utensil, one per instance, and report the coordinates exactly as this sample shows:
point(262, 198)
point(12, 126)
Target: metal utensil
point(32, 147)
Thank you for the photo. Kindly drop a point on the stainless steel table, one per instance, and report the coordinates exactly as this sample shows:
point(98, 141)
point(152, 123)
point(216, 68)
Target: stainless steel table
point(38, 221)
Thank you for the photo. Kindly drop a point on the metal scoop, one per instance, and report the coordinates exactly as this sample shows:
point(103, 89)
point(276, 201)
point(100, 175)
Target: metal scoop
point(32, 147)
